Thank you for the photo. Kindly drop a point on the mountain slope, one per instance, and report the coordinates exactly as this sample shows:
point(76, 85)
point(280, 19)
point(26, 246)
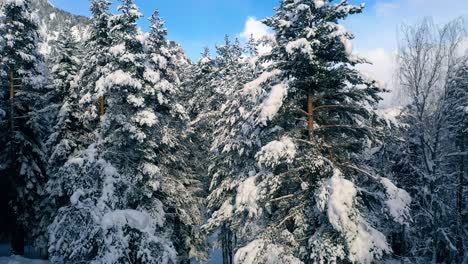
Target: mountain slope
point(53, 21)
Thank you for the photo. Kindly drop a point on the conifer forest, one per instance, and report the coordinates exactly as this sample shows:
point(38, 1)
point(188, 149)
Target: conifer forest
point(117, 148)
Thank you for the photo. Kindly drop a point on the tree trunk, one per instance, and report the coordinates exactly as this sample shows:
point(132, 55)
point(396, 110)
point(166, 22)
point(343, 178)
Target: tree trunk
point(17, 239)
point(310, 111)
point(102, 109)
point(226, 244)
point(460, 204)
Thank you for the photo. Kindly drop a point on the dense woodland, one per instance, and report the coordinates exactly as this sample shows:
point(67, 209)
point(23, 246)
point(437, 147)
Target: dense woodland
point(119, 149)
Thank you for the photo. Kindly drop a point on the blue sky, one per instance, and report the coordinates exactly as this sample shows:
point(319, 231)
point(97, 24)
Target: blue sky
point(193, 23)
point(199, 23)
point(196, 24)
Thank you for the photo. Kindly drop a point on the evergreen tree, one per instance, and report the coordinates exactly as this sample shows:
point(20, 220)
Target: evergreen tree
point(61, 142)
point(63, 139)
point(22, 157)
point(181, 186)
point(309, 119)
point(229, 160)
point(420, 152)
point(126, 187)
point(98, 56)
point(456, 165)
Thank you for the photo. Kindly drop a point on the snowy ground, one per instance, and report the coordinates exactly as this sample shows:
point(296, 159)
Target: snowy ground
point(20, 260)
point(5, 252)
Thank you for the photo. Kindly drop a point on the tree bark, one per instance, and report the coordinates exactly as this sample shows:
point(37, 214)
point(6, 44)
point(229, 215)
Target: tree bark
point(102, 109)
point(460, 204)
point(310, 111)
point(17, 239)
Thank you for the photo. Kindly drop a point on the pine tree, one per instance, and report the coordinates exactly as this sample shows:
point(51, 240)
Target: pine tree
point(419, 153)
point(181, 185)
point(197, 84)
point(132, 198)
point(232, 139)
point(98, 56)
point(22, 157)
point(63, 140)
point(454, 166)
point(308, 190)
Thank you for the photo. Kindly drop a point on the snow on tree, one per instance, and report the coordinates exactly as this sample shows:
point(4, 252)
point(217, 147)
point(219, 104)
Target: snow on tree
point(65, 132)
point(23, 77)
point(232, 142)
point(420, 152)
point(98, 46)
point(181, 186)
point(61, 142)
point(293, 154)
point(115, 185)
point(138, 140)
point(456, 142)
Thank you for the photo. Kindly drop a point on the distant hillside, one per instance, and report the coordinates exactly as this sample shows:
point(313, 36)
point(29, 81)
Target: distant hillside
point(53, 20)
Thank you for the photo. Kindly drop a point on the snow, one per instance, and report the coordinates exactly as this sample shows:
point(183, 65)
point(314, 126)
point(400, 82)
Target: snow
point(264, 251)
point(398, 202)
point(254, 87)
point(319, 3)
point(136, 101)
point(302, 44)
point(15, 2)
point(204, 60)
point(132, 218)
point(276, 151)
point(390, 115)
point(21, 260)
point(273, 103)
point(117, 50)
point(341, 32)
point(342, 195)
point(225, 212)
point(74, 199)
point(337, 199)
point(151, 75)
point(116, 79)
point(247, 196)
point(146, 117)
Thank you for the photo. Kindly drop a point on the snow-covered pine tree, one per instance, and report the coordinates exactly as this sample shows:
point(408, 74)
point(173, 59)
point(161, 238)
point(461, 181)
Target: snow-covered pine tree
point(94, 66)
point(23, 86)
point(125, 187)
point(419, 152)
point(181, 186)
point(455, 164)
point(197, 80)
point(65, 131)
point(311, 194)
point(61, 143)
point(232, 158)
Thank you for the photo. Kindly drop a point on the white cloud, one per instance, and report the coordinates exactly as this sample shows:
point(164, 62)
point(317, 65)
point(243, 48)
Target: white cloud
point(382, 69)
point(386, 9)
point(258, 30)
point(255, 28)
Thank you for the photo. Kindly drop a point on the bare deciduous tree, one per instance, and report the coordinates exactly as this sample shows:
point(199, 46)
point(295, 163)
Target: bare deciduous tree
point(429, 56)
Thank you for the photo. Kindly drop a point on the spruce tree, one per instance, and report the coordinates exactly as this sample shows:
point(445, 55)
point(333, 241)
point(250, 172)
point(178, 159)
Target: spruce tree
point(310, 117)
point(125, 187)
point(22, 157)
point(181, 185)
point(454, 165)
point(230, 149)
point(62, 141)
